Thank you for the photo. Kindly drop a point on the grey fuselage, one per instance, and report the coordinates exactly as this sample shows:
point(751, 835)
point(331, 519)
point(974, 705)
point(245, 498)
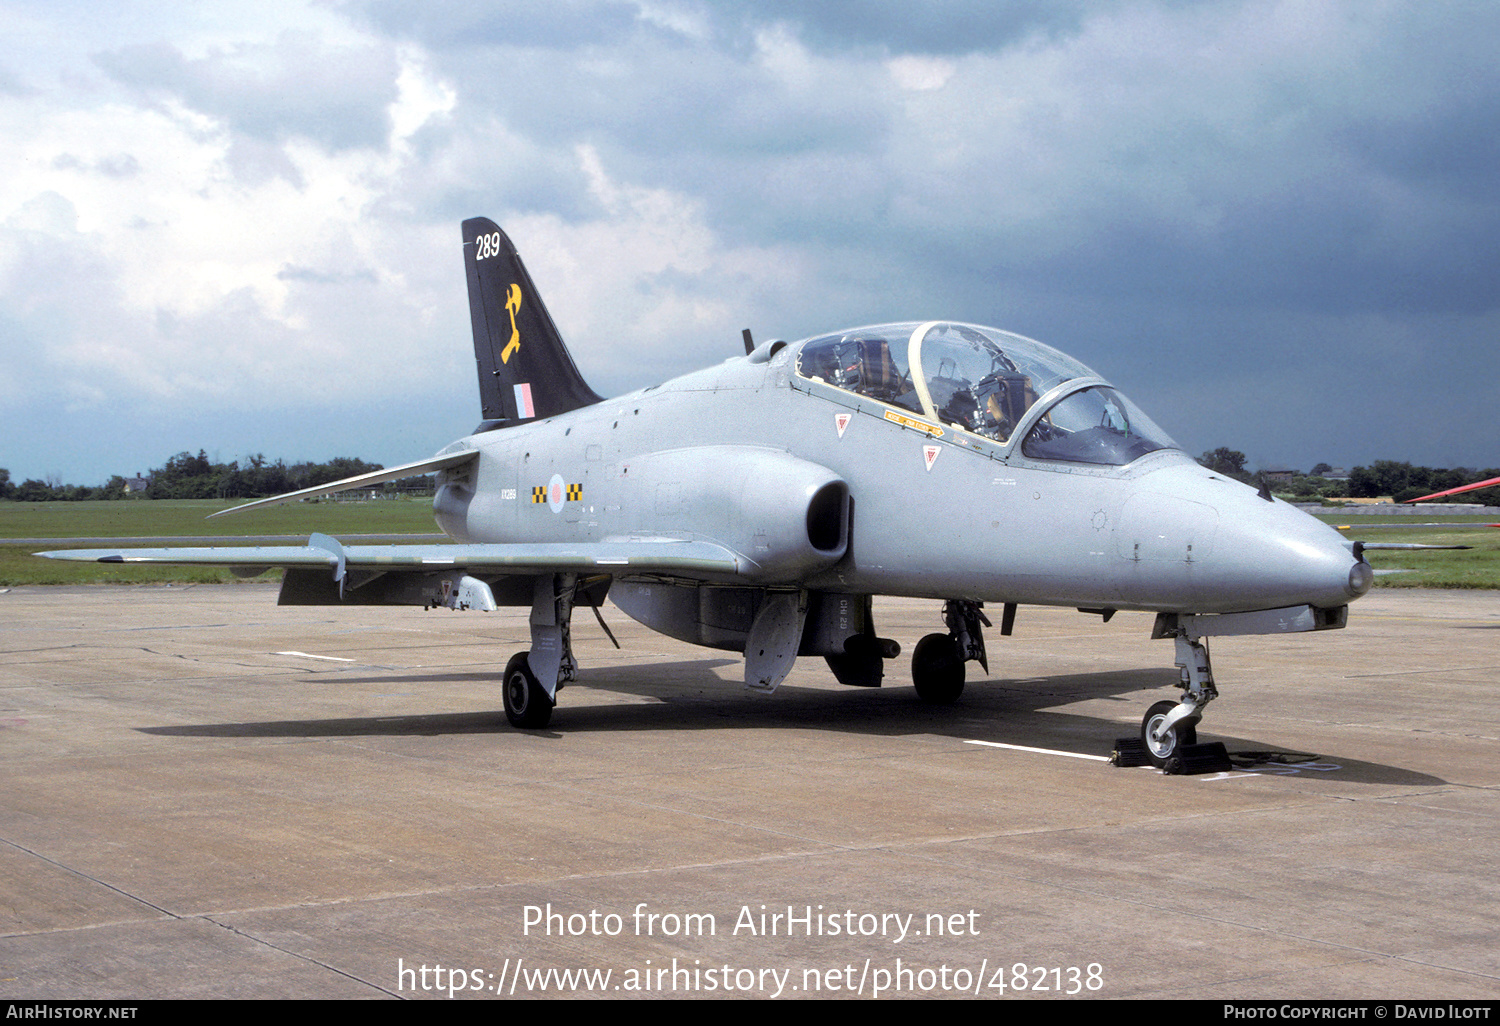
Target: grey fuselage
point(943, 515)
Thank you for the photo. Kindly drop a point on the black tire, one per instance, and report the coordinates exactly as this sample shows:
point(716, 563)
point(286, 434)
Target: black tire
point(937, 669)
point(527, 704)
point(1184, 733)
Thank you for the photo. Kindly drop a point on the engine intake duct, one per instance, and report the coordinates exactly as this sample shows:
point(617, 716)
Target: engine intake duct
point(788, 516)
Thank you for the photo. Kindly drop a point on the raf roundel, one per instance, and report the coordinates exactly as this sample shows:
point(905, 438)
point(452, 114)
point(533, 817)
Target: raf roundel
point(556, 489)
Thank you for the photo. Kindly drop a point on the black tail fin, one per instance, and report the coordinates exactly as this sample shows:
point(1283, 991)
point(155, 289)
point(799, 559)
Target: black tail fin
point(525, 372)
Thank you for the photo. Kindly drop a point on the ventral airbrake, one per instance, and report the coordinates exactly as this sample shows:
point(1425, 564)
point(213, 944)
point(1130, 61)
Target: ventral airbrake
point(759, 505)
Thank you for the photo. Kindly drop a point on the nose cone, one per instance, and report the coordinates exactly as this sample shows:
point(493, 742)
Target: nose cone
point(1275, 555)
point(1259, 554)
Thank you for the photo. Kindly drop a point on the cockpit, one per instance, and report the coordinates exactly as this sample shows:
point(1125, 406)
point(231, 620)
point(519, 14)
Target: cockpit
point(988, 384)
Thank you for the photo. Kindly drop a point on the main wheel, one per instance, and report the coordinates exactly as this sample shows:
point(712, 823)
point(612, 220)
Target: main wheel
point(1184, 733)
point(937, 669)
point(527, 704)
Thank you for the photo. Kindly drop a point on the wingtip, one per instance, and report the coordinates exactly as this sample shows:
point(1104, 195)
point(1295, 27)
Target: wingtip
point(82, 555)
point(236, 509)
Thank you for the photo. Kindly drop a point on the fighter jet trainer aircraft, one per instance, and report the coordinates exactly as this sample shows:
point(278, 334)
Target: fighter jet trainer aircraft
point(757, 506)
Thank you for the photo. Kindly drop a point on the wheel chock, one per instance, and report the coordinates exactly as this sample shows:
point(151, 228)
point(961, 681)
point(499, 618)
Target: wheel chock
point(1129, 752)
point(1205, 758)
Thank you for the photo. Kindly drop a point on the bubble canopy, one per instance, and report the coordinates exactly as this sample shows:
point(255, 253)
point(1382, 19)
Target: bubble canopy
point(986, 382)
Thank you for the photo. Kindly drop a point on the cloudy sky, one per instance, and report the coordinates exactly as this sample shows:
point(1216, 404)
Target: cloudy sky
point(235, 226)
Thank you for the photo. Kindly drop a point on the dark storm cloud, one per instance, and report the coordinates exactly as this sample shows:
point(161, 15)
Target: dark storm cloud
point(1325, 159)
point(900, 26)
point(652, 92)
point(550, 24)
point(960, 26)
point(1263, 219)
point(1334, 246)
point(665, 109)
point(1365, 185)
point(1454, 148)
point(298, 86)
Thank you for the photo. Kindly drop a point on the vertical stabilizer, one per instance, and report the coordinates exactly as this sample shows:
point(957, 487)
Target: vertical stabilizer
point(525, 372)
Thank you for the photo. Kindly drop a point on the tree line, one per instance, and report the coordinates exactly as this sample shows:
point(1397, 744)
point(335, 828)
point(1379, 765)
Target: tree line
point(1400, 481)
point(186, 476)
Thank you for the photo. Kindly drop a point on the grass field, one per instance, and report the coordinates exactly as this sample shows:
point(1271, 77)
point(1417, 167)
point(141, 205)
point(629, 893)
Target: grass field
point(179, 518)
point(1478, 567)
point(149, 518)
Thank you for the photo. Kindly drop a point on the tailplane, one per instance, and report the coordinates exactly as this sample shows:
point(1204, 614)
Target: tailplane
point(525, 372)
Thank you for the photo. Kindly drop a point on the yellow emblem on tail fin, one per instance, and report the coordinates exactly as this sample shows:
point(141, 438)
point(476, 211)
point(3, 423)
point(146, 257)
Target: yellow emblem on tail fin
point(513, 304)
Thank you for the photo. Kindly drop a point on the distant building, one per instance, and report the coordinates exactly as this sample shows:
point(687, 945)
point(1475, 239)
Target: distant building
point(136, 484)
point(1278, 473)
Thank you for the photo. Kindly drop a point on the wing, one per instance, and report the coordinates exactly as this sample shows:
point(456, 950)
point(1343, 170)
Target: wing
point(615, 557)
point(478, 576)
point(427, 466)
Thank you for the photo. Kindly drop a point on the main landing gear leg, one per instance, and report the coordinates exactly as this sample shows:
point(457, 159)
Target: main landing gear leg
point(533, 678)
point(937, 663)
point(1169, 725)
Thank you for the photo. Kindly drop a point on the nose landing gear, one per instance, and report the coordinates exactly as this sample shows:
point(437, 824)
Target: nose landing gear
point(1168, 726)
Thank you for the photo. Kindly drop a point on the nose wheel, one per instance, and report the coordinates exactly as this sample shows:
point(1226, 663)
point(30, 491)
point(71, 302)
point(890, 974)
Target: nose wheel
point(1161, 739)
point(1170, 726)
